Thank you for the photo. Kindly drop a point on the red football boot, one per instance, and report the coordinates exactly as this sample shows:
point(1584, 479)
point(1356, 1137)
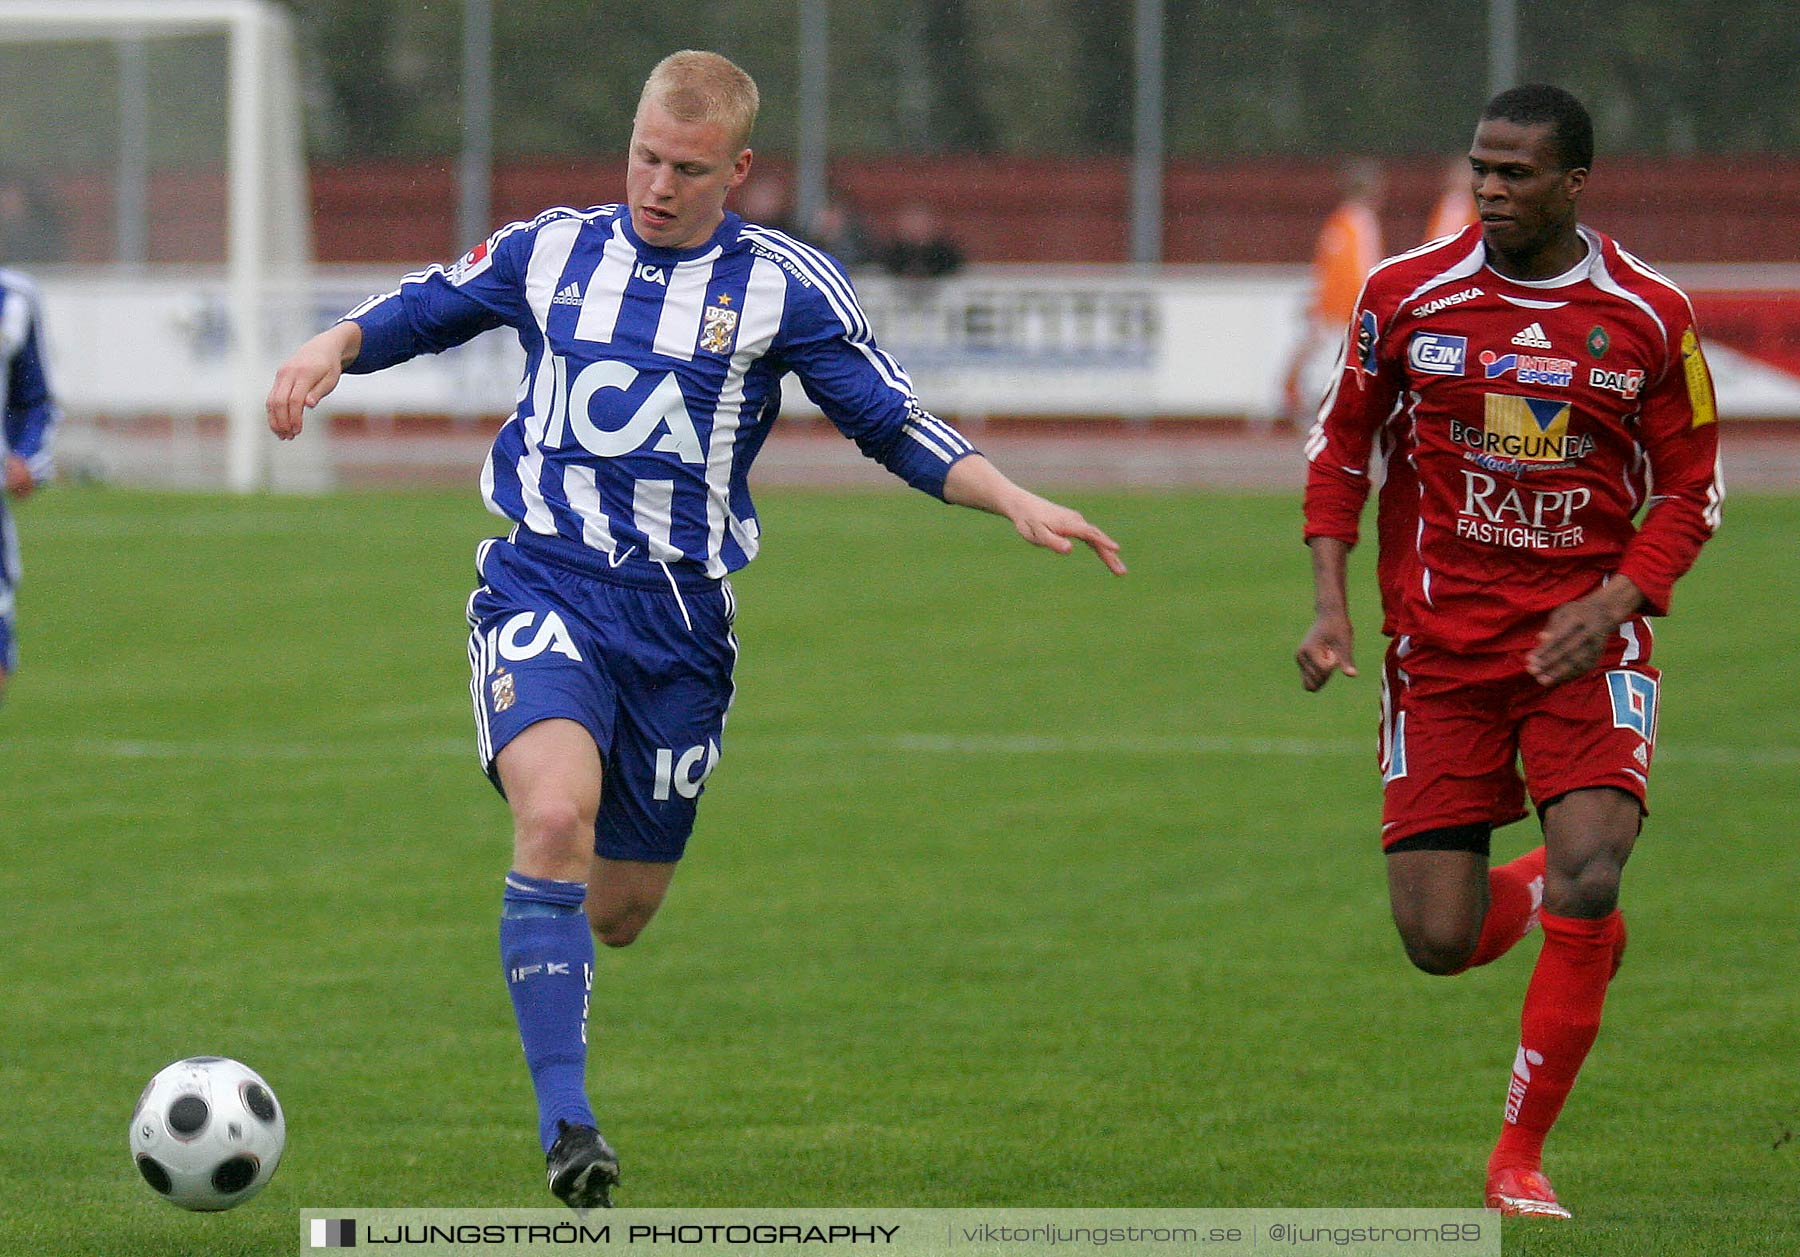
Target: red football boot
point(1519, 1192)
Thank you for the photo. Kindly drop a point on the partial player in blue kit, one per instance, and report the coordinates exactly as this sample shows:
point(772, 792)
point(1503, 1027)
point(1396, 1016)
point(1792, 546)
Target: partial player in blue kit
point(656, 334)
point(29, 414)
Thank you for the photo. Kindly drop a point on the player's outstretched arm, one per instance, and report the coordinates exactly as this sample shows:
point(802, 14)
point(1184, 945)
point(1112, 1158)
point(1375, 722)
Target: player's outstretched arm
point(19, 480)
point(1327, 646)
point(312, 372)
point(976, 482)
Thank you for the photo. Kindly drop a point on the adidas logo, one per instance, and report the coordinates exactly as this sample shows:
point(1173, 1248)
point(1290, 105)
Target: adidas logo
point(1531, 338)
point(570, 296)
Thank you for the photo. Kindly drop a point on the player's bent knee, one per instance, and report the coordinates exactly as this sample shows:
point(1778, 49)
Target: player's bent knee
point(616, 936)
point(618, 925)
point(618, 931)
point(552, 838)
point(1590, 891)
point(1441, 956)
point(552, 821)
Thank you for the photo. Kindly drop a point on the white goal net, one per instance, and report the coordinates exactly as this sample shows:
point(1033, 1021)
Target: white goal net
point(152, 180)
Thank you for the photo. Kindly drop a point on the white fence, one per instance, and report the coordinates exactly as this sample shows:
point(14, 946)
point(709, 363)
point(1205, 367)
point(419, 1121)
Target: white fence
point(1057, 342)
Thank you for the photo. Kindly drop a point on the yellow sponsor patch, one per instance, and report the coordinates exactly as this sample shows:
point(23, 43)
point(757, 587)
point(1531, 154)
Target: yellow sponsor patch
point(1527, 429)
point(1699, 380)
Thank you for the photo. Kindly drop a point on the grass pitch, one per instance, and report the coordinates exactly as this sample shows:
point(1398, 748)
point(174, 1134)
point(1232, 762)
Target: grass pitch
point(1017, 885)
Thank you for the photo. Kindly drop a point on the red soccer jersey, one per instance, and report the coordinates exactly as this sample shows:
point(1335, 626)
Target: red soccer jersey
point(1522, 428)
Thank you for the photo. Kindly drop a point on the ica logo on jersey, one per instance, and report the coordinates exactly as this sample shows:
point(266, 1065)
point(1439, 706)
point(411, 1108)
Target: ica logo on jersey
point(552, 635)
point(679, 774)
point(600, 391)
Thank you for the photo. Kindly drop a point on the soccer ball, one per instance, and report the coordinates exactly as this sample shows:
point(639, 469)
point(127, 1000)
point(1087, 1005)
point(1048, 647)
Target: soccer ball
point(207, 1133)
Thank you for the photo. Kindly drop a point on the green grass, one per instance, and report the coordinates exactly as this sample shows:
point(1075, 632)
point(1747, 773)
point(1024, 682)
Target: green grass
point(1017, 885)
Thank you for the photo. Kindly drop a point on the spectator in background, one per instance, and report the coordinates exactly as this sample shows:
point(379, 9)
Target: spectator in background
point(1348, 247)
point(838, 230)
point(919, 248)
point(1455, 208)
point(767, 203)
point(31, 227)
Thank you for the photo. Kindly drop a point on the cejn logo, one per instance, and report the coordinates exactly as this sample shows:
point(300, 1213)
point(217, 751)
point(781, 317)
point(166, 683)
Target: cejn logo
point(1432, 354)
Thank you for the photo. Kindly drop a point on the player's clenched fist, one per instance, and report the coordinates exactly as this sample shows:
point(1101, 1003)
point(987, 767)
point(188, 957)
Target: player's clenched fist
point(1325, 649)
point(313, 371)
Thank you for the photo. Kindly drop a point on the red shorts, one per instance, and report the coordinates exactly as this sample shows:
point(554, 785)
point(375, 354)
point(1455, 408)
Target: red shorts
point(1451, 749)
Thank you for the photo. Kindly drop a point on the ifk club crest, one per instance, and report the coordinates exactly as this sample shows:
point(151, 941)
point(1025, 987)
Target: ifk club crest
point(505, 692)
point(718, 328)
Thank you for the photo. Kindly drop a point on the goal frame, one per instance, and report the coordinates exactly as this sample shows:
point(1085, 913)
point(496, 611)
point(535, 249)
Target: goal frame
point(263, 152)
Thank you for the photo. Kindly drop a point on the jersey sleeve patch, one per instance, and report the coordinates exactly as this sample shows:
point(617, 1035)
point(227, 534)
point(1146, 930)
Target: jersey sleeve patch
point(1368, 343)
point(1699, 380)
point(471, 264)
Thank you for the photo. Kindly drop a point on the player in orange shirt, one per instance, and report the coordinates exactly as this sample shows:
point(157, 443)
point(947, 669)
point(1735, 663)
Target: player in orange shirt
point(1347, 249)
point(1455, 207)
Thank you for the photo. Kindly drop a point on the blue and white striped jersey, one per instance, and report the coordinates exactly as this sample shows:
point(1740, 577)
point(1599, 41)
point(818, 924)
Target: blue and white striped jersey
point(652, 376)
point(27, 414)
point(28, 409)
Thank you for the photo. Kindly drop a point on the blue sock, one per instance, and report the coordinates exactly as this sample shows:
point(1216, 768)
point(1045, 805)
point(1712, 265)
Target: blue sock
point(548, 956)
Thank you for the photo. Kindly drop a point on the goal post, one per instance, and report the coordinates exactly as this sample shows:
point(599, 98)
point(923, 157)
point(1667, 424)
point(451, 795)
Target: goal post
point(169, 301)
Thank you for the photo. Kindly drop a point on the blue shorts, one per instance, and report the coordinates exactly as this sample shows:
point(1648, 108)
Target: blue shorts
point(639, 655)
point(9, 579)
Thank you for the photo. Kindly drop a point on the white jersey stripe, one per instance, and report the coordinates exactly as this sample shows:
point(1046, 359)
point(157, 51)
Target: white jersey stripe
point(814, 266)
point(15, 321)
point(838, 295)
point(821, 265)
point(826, 278)
point(549, 255)
point(765, 302)
point(1715, 496)
point(478, 679)
point(606, 290)
point(1603, 280)
point(1650, 272)
point(653, 511)
point(583, 493)
point(678, 330)
point(951, 438)
point(1464, 268)
point(912, 430)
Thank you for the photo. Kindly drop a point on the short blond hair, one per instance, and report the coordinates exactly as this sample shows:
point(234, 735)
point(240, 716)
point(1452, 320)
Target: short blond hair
point(704, 87)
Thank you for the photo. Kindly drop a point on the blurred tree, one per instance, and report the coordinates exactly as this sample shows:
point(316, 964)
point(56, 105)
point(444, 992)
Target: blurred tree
point(382, 78)
point(1106, 68)
point(1261, 76)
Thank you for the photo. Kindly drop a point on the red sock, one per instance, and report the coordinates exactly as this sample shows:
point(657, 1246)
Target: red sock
point(1515, 891)
point(1560, 1022)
